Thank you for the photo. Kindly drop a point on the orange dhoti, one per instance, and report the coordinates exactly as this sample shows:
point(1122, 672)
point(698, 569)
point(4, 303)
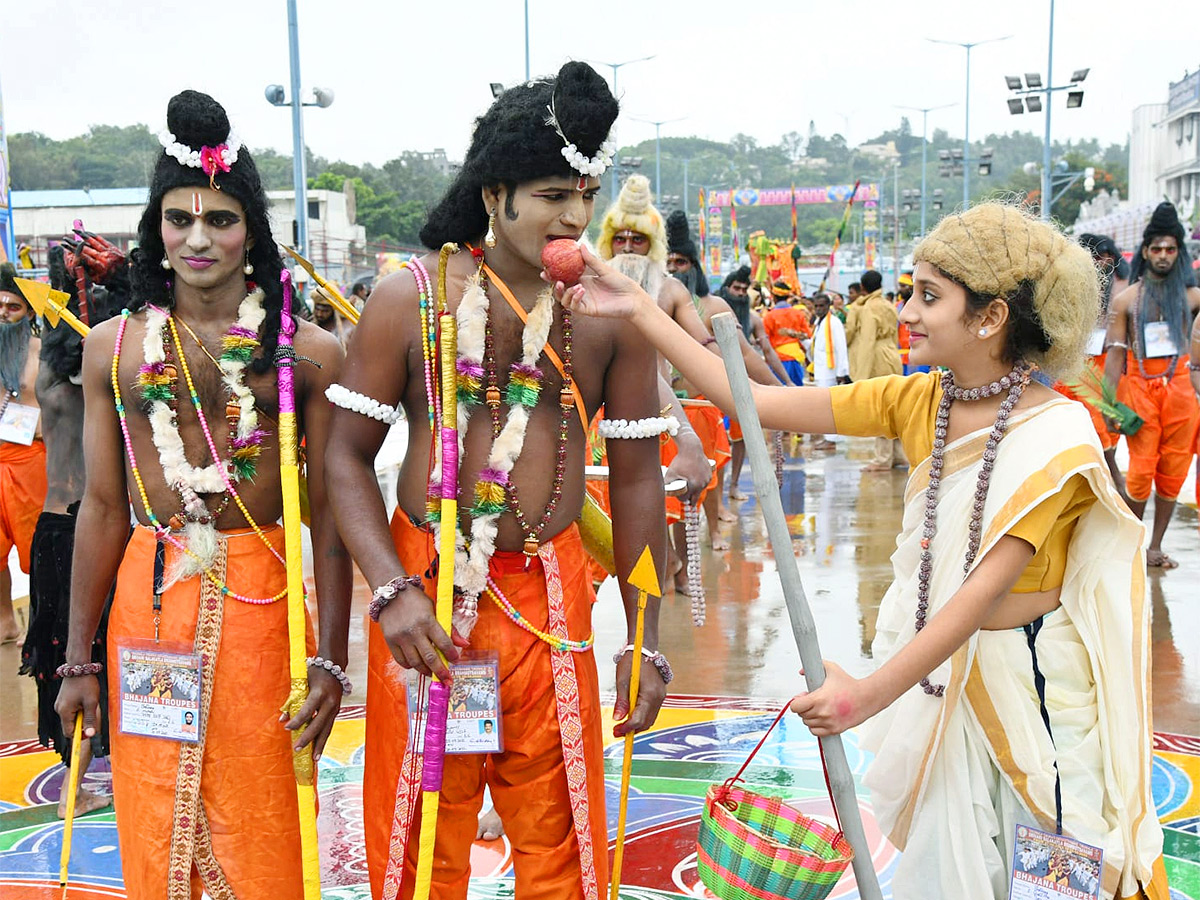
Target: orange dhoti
point(559, 842)
point(22, 494)
point(221, 814)
point(1161, 451)
point(709, 424)
point(1108, 439)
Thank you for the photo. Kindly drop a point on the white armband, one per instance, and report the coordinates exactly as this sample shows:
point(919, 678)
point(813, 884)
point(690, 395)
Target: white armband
point(362, 404)
point(638, 428)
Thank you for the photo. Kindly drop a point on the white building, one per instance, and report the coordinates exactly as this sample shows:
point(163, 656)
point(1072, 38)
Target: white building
point(1164, 149)
point(336, 242)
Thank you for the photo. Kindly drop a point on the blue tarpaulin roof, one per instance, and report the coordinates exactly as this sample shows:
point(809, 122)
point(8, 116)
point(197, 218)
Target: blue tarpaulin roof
point(98, 197)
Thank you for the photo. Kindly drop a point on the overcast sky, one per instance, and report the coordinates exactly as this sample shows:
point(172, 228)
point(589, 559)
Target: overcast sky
point(413, 75)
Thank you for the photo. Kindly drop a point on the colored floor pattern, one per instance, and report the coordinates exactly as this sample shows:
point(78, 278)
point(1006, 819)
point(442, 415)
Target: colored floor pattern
point(697, 741)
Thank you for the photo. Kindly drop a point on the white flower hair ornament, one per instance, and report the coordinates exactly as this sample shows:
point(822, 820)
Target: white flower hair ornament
point(593, 166)
point(209, 159)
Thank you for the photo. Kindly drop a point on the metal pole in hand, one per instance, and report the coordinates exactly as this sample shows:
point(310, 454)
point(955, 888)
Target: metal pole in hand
point(804, 629)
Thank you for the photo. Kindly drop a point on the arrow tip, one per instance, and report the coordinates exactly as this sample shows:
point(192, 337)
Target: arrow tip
point(644, 576)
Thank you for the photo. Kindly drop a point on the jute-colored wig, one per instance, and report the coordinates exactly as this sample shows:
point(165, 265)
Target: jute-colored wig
point(997, 250)
point(634, 211)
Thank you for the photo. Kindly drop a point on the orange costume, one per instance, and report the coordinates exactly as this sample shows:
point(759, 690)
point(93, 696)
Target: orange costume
point(548, 784)
point(22, 493)
point(219, 815)
point(1161, 450)
point(709, 424)
point(1108, 439)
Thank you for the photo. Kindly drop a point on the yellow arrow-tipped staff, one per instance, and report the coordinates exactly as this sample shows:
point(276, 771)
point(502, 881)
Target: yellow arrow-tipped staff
point(289, 472)
point(644, 577)
point(327, 290)
point(73, 787)
point(435, 721)
point(50, 304)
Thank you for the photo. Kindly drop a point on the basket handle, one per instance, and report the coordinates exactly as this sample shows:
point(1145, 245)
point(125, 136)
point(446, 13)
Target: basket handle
point(730, 782)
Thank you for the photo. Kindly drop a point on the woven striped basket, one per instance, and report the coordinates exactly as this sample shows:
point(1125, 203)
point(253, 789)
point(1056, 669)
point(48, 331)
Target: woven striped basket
point(753, 847)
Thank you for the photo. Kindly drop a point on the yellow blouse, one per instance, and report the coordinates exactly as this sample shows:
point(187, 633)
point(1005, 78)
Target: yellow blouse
point(905, 407)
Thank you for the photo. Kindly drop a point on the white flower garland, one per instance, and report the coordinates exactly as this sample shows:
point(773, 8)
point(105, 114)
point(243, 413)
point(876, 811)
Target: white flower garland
point(627, 429)
point(471, 566)
point(186, 156)
point(342, 396)
point(180, 475)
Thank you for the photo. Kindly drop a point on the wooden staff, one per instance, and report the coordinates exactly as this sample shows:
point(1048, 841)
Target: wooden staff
point(804, 629)
point(439, 691)
point(69, 822)
point(645, 579)
point(289, 472)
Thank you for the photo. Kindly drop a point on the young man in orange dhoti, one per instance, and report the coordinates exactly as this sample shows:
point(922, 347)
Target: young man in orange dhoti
point(1148, 331)
point(22, 453)
point(523, 588)
point(207, 805)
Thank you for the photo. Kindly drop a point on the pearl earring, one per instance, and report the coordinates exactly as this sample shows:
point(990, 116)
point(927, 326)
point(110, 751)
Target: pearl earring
point(248, 268)
point(166, 263)
point(983, 332)
point(489, 239)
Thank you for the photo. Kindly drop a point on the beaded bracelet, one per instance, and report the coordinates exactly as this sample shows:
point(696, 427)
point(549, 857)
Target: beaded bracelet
point(638, 428)
point(333, 669)
point(652, 656)
point(386, 593)
point(1194, 367)
point(66, 670)
point(1121, 344)
point(362, 404)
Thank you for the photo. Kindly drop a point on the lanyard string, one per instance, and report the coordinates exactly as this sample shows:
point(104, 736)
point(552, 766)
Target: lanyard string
point(1039, 683)
point(160, 558)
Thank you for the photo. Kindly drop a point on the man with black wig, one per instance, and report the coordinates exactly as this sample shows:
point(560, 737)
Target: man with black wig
point(1149, 327)
point(531, 175)
point(101, 268)
point(22, 452)
point(182, 400)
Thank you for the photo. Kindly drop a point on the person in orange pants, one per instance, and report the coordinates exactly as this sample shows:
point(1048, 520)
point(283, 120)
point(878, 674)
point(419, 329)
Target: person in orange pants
point(22, 453)
point(1148, 332)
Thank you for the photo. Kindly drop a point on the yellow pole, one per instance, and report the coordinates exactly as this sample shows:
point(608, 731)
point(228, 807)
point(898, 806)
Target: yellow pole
point(645, 579)
point(447, 358)
point(73, 789)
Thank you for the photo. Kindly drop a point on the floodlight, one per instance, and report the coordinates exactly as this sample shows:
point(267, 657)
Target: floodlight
point(1013, 82)
point(323, 97)
point(1033, 104)
point(943, 154)
point(956, 153)
point(987, 153)
point(274, 94)
point(1033, 80)
point(1079, 75)
point(497, 88)
point(1015, 106)
point(985, 168)
point(1074, 99)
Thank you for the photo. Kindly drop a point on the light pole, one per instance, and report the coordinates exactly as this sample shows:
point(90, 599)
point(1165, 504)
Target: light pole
point(613, 135)
point(527, 40)
point(925, 111)
point(323, 97)
point(967, 45)
point(658, 149)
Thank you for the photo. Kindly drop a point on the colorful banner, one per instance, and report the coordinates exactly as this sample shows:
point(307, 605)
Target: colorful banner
point(870, 233)
point(8, 240)
point(714, 262)
point(702, 229)
point(733, 231)
point(834, 193)
point(795, 232)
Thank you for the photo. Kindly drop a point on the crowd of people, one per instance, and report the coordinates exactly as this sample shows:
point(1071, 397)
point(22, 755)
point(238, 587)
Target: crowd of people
point(158, 436)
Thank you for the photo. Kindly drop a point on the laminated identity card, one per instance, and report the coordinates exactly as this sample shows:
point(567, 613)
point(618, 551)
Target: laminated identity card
point(160, 693)
point(1050, 866)
point(473, 724)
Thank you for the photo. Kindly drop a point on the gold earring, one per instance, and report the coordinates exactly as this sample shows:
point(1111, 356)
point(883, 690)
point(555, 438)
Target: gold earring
point(489, 239)
point(248, 268)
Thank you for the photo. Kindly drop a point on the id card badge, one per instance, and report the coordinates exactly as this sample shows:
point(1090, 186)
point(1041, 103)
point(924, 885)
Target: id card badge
point(160, 693)
point(18, 423)
point(1159, 342)
point(474, 723)
point(1047, 866)
point(1095, 344)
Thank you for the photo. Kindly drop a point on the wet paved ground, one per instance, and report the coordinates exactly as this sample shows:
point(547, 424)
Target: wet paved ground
point(730, 675)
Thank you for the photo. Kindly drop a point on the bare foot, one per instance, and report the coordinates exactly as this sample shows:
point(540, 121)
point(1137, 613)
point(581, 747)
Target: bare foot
point(85, 802)
point(1156, 559)
point(719, 543)
point(735, 494)
point(825, 446)
point(726, 516)
point(10, 631)
point(490, 827)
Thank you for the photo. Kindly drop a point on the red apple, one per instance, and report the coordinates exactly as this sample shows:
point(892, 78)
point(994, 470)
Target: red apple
point(563, 261)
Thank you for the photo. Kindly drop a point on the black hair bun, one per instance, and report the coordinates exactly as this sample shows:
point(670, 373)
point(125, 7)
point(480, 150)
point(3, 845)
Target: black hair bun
point(197, 120)
point(585, 107)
